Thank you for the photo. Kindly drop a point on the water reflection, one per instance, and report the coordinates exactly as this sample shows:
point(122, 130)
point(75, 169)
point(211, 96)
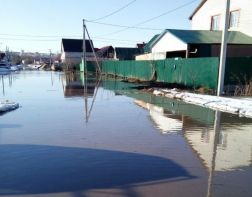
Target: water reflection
point(121, 145)
point(164, 120)
point(223, 145)
point(233, 144)
point(204, 129)
point(73, 85)
point(9, 78)
point(226, 146)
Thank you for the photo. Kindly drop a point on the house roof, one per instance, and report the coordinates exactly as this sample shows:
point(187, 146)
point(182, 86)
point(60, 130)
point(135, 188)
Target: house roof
point(75, 45)
point(205, 37)
point(147, 47)
point(197, 8)
point(123, 53)
point(104, 50)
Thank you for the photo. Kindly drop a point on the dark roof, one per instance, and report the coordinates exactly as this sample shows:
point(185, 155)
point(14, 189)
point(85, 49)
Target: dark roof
point(147, 47)
point(104, 51)
point(75, 45)
point(197, 8)
point(205, 37)
point(127, 53)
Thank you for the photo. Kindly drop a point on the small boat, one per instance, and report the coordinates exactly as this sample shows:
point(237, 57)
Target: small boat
point(34, 66)
point(4, 68)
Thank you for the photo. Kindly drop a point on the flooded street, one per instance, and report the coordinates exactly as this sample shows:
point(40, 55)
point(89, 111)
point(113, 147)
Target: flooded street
point(117, 141)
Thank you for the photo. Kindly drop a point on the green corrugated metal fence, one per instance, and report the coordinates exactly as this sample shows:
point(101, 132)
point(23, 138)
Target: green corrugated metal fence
point(193, 72)
point(189, 72)
point(142, 70)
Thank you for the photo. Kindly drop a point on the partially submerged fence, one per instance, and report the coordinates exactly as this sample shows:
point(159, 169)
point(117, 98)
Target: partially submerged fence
point(194, 72)
point(142, 70)
point(188, 72)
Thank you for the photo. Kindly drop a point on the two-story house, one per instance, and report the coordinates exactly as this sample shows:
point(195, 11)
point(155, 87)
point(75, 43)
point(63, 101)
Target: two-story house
point(209, 15)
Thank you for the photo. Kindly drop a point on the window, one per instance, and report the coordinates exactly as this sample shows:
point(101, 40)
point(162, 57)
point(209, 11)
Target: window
point(215, 22)
point(234, 19)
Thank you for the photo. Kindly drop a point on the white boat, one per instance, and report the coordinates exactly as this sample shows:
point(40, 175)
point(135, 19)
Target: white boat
point(34, 66)
point(14, 68)
point(4, 68)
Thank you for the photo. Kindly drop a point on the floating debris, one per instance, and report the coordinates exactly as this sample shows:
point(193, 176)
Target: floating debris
point(8, 106)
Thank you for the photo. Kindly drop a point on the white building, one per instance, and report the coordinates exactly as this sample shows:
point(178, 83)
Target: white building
point(173, 43)
point(71, 51)
point(209, 15)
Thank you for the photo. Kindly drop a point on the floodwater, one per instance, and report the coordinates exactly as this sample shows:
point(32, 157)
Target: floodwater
point(109, 139)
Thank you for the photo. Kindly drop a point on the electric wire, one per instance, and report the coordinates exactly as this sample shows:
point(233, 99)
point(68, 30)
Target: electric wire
point(116, 11)
point(150, 19)
point(124, 26)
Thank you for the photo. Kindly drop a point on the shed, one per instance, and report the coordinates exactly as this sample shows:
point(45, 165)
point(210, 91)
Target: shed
point(200, 43)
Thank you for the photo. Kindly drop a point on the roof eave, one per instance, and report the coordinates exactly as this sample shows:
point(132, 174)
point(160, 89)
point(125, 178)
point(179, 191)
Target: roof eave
point(197, 8)
point(157, 39)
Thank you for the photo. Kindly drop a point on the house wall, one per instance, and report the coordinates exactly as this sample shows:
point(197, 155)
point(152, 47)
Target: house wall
point(207, 50)
point(169, 43)
point(74, 57)
point(152, 56)
point(233, 51)
point(202, 19)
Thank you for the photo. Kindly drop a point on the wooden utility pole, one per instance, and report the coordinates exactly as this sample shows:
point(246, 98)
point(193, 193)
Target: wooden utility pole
point(84, 62)
point(84, 46)
point(223, 51)
point(50, 58)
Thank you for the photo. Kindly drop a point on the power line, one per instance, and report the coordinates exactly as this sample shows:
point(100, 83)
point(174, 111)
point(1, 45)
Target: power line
point(124, 26)
point(38, 36)
point(20, 39)
point(120, 40)
point(44, 36)
point(150, 19)
point(116, 11)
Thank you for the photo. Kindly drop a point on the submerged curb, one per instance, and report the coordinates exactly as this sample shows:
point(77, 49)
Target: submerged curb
point(230, 105)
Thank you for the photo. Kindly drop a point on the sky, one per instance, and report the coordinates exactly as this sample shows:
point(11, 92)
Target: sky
point(39, 25)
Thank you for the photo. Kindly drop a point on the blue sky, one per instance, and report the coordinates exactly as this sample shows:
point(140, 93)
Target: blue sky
point(39, 25)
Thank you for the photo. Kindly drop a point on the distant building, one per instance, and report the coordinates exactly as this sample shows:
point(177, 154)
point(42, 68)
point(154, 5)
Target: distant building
point(209, 15)
point(72, 51)
point(122, 53)
point(141, 45)
point(2, 55)
point(106, 52)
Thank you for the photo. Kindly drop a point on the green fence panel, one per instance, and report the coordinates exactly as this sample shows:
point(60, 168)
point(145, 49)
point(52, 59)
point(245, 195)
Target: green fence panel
point(194, 72)
point(141, 70)
point(91, 66)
